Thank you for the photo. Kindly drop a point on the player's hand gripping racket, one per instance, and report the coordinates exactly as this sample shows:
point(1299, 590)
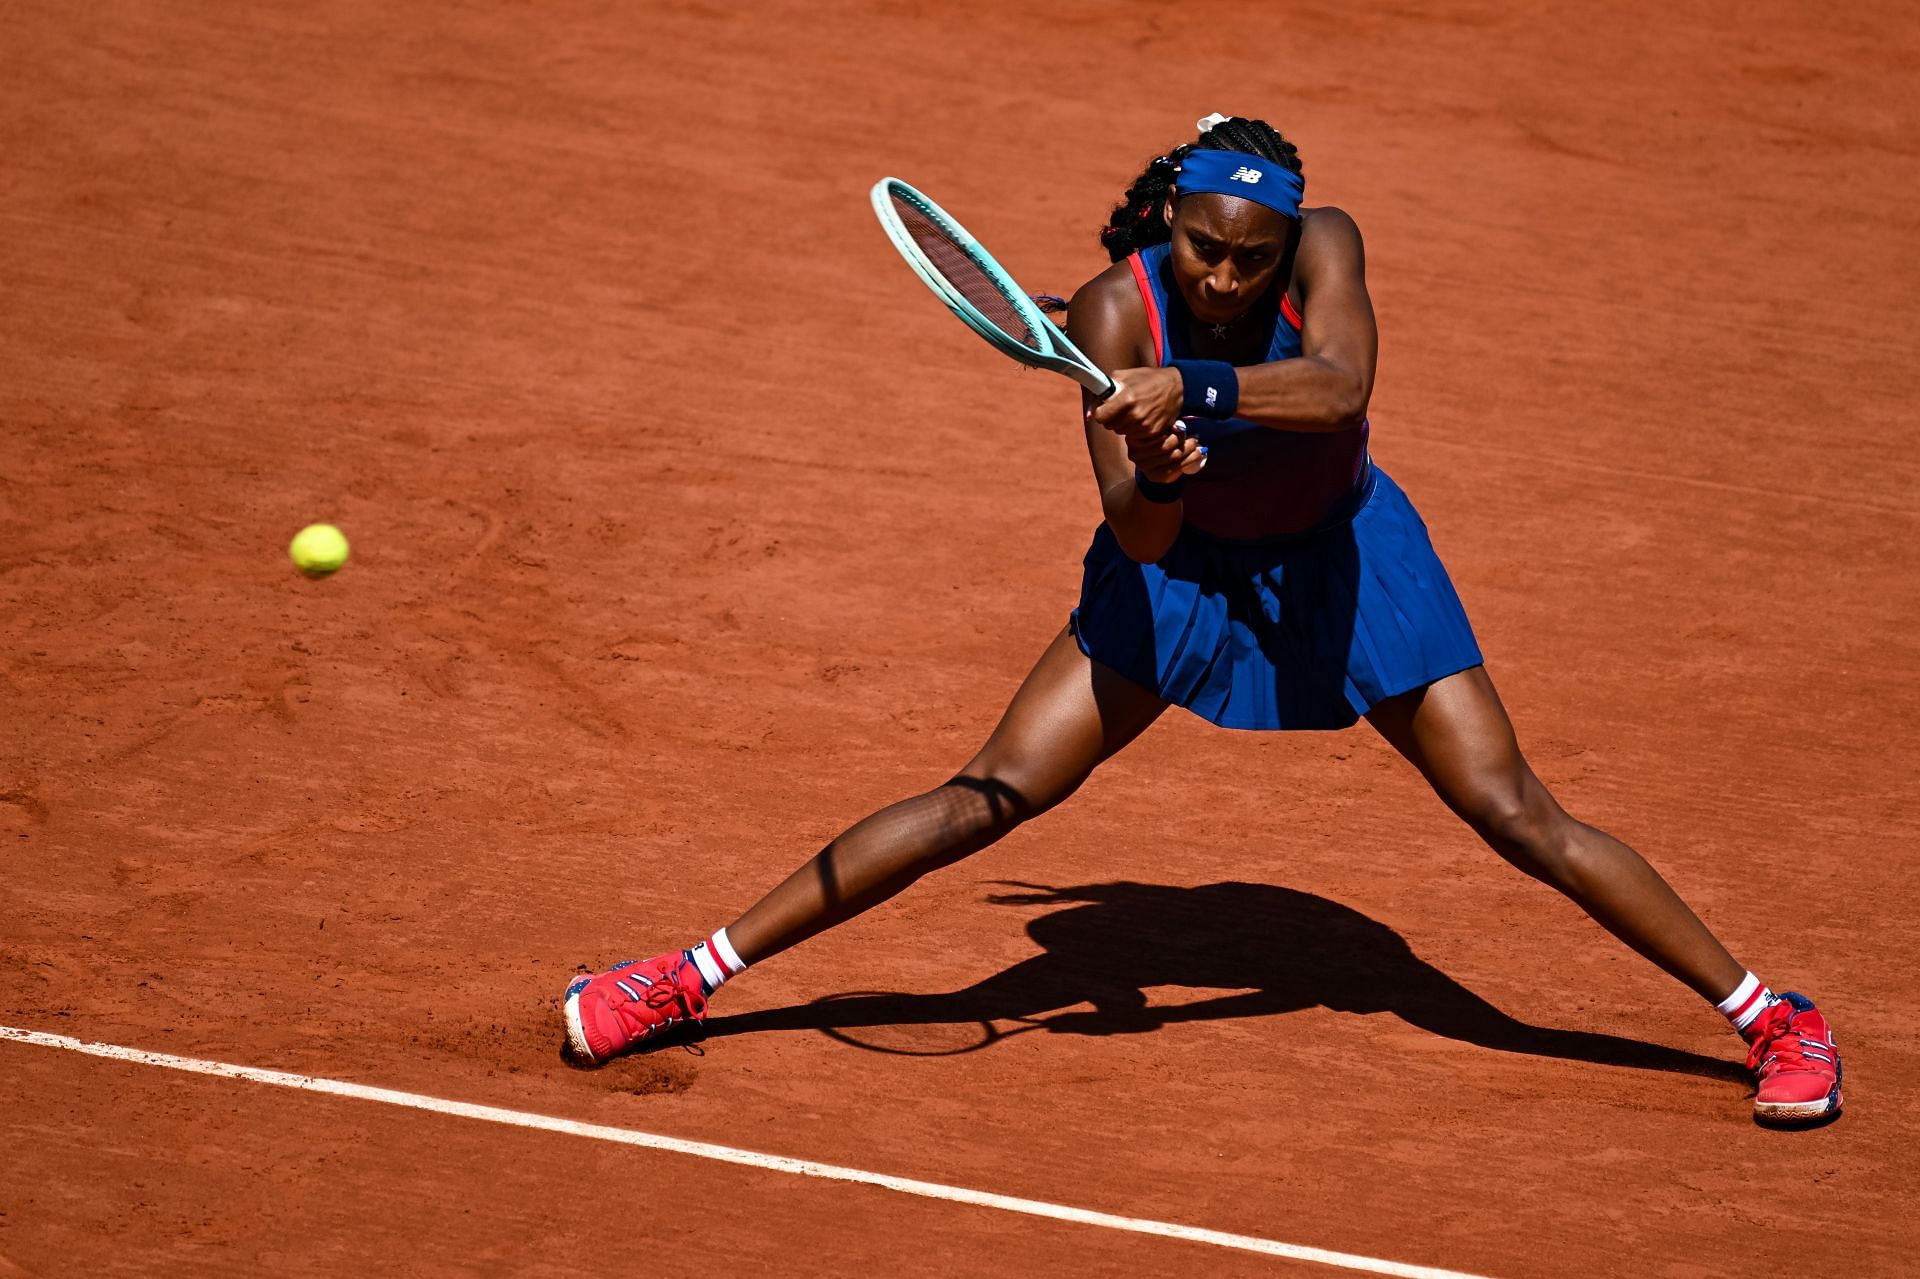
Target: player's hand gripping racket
point(976, 288)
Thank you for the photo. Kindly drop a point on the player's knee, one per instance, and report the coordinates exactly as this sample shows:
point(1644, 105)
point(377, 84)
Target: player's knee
point(1005, 797)
point(1523, 825)
point(1499, 816)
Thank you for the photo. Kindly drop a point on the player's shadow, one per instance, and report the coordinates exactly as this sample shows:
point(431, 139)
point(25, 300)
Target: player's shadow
point(1268, 950)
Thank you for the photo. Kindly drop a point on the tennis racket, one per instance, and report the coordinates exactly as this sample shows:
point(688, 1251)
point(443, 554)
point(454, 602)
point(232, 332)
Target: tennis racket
point(976, 288)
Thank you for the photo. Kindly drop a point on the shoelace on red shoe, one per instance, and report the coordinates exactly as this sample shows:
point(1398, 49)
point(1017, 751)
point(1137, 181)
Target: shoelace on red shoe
point(1778, 1046)
point(661, 994)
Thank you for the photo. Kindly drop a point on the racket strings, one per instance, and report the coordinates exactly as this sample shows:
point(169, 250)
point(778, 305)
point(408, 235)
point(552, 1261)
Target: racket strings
point(963, 274)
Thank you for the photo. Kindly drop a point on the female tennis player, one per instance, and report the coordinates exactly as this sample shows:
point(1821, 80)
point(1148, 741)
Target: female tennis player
point(1256, 568)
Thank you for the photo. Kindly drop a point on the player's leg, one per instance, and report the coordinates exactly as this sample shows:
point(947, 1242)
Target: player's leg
point(1457, 734)
point(1067, 717)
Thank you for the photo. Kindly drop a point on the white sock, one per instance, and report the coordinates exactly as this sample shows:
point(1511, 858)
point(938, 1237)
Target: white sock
point(1748, 1000)
point(717, 961)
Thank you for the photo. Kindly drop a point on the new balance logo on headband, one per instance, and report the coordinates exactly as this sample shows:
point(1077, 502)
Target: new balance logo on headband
point(1244, 174)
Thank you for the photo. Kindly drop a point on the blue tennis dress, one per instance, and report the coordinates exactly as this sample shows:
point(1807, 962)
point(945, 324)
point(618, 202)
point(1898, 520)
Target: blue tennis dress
point(1332, 601)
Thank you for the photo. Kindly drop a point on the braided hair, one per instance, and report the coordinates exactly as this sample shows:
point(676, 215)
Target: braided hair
point(1137, 222)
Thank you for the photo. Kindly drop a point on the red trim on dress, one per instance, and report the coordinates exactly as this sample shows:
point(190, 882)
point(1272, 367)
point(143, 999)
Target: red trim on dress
point(1286, 309)
point(1153, 310)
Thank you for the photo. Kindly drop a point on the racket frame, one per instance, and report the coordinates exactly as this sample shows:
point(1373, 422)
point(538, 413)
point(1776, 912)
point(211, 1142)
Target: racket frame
point(1060, 356)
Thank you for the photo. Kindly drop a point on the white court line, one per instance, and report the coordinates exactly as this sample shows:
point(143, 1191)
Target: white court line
point(730, 1155)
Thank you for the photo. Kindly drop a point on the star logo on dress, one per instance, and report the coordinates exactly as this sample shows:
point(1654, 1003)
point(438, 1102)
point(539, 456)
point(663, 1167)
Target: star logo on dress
point(1244, 174)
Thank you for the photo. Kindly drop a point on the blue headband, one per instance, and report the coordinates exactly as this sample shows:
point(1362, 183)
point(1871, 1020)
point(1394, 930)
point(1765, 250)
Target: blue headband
point(1239, 174)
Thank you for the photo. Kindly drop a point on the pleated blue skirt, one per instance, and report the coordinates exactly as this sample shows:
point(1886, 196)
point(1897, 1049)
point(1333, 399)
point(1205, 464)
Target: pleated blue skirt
point(1303, 632)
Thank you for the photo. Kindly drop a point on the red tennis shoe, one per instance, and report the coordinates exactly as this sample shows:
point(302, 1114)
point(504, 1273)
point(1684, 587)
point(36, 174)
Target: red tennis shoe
point(1793, 1059)
point(617, 1011)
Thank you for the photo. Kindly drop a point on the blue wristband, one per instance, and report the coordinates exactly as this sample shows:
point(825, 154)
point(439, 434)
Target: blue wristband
point(1208, 388)
point(1155, 491)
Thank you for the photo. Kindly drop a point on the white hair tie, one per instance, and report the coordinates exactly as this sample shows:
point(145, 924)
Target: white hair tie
point(1206, 125)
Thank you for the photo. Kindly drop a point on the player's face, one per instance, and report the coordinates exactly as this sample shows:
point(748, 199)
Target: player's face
point(1225, 253)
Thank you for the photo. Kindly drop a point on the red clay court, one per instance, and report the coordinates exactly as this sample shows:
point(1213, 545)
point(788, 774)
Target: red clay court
point(688, 529)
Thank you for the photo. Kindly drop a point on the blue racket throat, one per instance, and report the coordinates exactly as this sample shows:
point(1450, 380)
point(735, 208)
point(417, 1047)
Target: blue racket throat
point(971, 284)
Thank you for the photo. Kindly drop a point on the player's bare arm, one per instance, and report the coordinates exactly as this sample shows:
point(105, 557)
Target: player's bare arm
point(1108, 322)
point(1328, 386)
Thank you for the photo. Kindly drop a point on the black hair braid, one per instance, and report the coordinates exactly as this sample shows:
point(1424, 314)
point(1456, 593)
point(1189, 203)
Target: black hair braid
point(1134, 220)
point(1137, 222)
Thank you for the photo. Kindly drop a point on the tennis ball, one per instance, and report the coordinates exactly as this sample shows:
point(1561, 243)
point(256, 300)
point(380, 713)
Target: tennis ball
point(318, 549)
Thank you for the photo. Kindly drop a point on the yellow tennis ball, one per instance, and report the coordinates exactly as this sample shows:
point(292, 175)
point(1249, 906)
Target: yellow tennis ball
point(318, 549)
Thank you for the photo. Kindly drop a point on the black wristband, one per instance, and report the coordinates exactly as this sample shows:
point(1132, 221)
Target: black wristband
point(1208, 388)
point(1155, 491)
